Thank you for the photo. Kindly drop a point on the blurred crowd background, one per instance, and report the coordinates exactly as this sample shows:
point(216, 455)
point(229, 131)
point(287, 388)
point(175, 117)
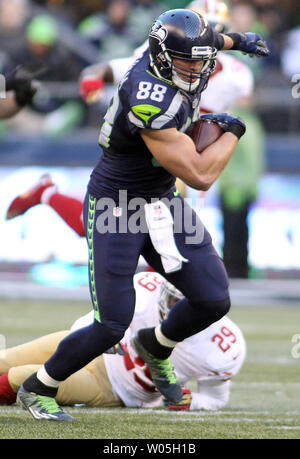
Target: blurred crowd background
point(65, 38)
point(59, 129)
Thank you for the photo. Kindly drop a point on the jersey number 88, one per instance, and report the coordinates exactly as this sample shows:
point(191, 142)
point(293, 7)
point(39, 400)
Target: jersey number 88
point(155, 92)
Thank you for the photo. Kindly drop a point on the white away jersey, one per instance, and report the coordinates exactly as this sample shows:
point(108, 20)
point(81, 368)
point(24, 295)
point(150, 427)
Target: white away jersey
point(231, 81)
point(210, 357)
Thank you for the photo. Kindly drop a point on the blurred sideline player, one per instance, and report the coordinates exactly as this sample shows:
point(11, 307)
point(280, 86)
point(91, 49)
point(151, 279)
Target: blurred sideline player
point(231, 81)
point(9, 106)
point(210, 357)
point(20, 88)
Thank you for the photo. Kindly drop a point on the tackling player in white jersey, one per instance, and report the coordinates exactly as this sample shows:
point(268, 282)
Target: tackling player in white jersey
point(209, 358)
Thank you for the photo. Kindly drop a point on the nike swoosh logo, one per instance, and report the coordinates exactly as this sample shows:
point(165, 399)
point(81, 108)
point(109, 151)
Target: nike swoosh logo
point(145, 113)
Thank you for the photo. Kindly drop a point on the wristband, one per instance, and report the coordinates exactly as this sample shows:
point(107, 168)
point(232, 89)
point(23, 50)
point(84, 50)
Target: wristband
point(237, 129)
point(236, 38)
point(219, 41)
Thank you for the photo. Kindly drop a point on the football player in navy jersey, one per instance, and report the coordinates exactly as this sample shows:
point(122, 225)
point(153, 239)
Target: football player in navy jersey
point(144, 149)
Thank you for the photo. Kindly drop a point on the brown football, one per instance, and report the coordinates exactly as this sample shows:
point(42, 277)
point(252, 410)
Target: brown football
point(204, 133)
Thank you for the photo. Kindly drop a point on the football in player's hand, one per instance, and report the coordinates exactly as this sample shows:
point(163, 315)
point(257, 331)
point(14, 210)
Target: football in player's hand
point(204, 133)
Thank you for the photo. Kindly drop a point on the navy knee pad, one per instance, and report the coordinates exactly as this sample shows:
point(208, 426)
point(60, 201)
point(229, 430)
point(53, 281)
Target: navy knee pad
point(186, 319)
point(212, 311)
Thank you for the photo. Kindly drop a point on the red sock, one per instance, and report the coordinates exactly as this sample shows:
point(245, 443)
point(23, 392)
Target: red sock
point(7, 395)
point(70, 209)
point(150, 269)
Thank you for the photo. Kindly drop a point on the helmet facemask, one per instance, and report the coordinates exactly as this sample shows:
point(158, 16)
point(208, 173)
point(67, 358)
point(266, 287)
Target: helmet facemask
point(187, 80)
point(191, 81)
point(169, 295)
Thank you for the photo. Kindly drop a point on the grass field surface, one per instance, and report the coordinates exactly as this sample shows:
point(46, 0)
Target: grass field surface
point(264, 402)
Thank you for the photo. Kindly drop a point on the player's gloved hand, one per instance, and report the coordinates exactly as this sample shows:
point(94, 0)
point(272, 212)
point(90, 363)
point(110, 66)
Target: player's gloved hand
point(21, 80)
point(116, 349)
point(249, 43)
point(91, 88)
point(184, 403)
point(229, 123)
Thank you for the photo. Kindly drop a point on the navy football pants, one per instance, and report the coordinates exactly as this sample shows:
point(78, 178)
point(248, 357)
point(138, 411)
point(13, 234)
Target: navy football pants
point(113, 259)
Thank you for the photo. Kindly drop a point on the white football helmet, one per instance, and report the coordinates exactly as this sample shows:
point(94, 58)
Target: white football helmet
point(169, 295)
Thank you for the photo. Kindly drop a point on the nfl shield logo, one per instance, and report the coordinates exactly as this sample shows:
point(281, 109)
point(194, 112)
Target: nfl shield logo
point(157, 210)
point(117, 211)
point(157, 213)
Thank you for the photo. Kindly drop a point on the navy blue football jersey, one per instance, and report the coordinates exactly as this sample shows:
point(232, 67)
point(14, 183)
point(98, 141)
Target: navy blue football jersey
point(142, 101)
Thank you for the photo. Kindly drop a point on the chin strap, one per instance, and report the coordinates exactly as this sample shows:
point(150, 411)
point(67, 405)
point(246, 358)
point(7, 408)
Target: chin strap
point(188, 87)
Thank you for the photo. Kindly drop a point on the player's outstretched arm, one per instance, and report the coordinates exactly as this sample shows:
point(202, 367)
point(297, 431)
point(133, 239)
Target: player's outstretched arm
point(176, 152)
point(102, 71)
point(211, 395)
point(94, 77)
point(249, 43)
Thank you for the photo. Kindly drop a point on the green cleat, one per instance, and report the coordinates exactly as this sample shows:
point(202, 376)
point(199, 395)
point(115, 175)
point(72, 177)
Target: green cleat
point(162, 372)
point(42, 407)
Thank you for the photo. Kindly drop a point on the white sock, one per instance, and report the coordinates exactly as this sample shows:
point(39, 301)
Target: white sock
point(47, 193)
point(43, 376)
point(162, 339)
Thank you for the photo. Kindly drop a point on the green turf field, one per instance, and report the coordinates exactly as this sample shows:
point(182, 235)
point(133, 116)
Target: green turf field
point(264, 400)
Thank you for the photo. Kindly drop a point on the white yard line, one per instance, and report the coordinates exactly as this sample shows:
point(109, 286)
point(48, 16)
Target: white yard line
point(278, 360)
point(285, 427)
point(231, 416)
point(290, 385)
